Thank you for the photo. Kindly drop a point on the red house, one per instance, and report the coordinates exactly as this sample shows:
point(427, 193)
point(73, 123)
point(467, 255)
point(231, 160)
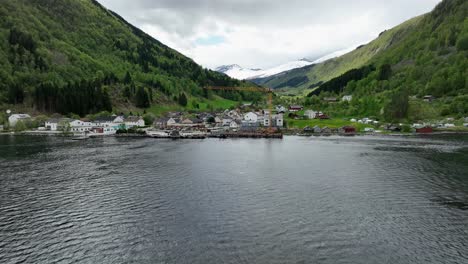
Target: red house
point(295, 108)
point(348, 130)
point(323, 116)
point(424, 130)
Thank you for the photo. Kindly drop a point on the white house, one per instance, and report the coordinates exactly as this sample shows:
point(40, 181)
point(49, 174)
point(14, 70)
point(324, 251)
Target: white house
point(134, 121)
point(227, 121)
point(277, 121)
point(280, 109)
point(347, 98)
point(13, 119)
point(172, 122)
point(109, 120)
point(251, 117)
point(311, 114)
point(234, 125)
point(80, 126)
point(52, 124)
point(233, 114)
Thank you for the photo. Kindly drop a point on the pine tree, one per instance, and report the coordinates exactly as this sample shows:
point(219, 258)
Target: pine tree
point(183, 99)
point(142, 98)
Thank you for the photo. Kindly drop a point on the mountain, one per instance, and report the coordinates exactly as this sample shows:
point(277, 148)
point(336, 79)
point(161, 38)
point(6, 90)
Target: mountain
point(388, 77)
point(75, 56)
point(237, 72)
point(415, 45)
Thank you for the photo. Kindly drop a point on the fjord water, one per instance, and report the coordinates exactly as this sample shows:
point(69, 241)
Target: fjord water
point(296, 200)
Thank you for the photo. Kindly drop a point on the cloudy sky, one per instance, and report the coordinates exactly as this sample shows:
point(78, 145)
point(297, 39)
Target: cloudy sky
point(264, 33)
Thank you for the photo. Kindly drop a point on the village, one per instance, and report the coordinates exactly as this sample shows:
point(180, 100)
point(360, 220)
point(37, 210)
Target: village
point(243, 121)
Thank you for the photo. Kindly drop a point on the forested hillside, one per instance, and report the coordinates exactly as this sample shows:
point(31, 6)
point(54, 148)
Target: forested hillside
point(427, 55)
point(75, 56)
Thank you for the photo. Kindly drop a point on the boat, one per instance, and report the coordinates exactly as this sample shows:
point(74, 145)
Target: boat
point(193, 134)
point(158, 134)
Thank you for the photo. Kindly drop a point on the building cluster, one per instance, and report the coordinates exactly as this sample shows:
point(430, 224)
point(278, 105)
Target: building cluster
point(233, 120)
point(105, 125)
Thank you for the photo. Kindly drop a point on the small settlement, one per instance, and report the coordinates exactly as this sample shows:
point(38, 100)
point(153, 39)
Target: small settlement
point(245, 121)
point(229, 123)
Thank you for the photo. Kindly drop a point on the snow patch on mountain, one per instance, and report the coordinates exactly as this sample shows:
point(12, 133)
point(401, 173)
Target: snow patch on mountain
point(333, 55)
point(236, 71)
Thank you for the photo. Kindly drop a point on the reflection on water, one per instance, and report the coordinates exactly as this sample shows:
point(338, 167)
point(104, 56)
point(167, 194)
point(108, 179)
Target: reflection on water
point(297, 200)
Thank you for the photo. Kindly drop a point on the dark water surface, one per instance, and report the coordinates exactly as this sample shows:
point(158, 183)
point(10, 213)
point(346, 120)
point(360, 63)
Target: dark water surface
point(296, 200)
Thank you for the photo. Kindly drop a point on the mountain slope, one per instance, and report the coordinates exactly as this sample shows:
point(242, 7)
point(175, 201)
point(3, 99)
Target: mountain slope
point(53, 49)
point(315, 74)
point(388, 77)
point(237, 72)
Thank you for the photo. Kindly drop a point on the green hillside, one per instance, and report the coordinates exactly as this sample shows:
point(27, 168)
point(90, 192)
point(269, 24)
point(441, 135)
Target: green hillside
point(427, 55)
point(322, 72)
point(75, 56)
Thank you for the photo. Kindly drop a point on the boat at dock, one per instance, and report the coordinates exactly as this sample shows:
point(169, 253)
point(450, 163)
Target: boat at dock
point(158, 134)
point(193, 134)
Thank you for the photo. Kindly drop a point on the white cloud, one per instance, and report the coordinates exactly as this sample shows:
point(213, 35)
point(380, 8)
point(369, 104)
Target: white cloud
point(265, 33)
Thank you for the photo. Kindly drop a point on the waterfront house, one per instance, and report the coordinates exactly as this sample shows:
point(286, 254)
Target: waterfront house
point(57, 124)
point(161, 123)
point(251, 117)
point(235, 124)
point(424, 130)
point(186, 122)
point(278, 120)
point(173, 122)
point(196, 122)
point(13, 119)
point(134, 121)
point(249, 126)
point(218, 120)
point(347, 130)
point(347, 98)
point(80, 126)
point(109, 121)
point(369, 130)
point(227, 121)
point(295, 108)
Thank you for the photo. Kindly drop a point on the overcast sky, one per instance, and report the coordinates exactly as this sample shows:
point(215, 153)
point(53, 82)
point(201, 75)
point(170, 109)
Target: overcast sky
point(264, 33)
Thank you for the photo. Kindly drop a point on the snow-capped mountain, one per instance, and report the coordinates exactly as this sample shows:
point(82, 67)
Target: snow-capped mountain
point(236, 71)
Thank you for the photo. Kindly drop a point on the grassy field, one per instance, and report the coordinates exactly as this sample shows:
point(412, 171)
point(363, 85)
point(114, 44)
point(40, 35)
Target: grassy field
point(331, 123)
point(217, 104)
